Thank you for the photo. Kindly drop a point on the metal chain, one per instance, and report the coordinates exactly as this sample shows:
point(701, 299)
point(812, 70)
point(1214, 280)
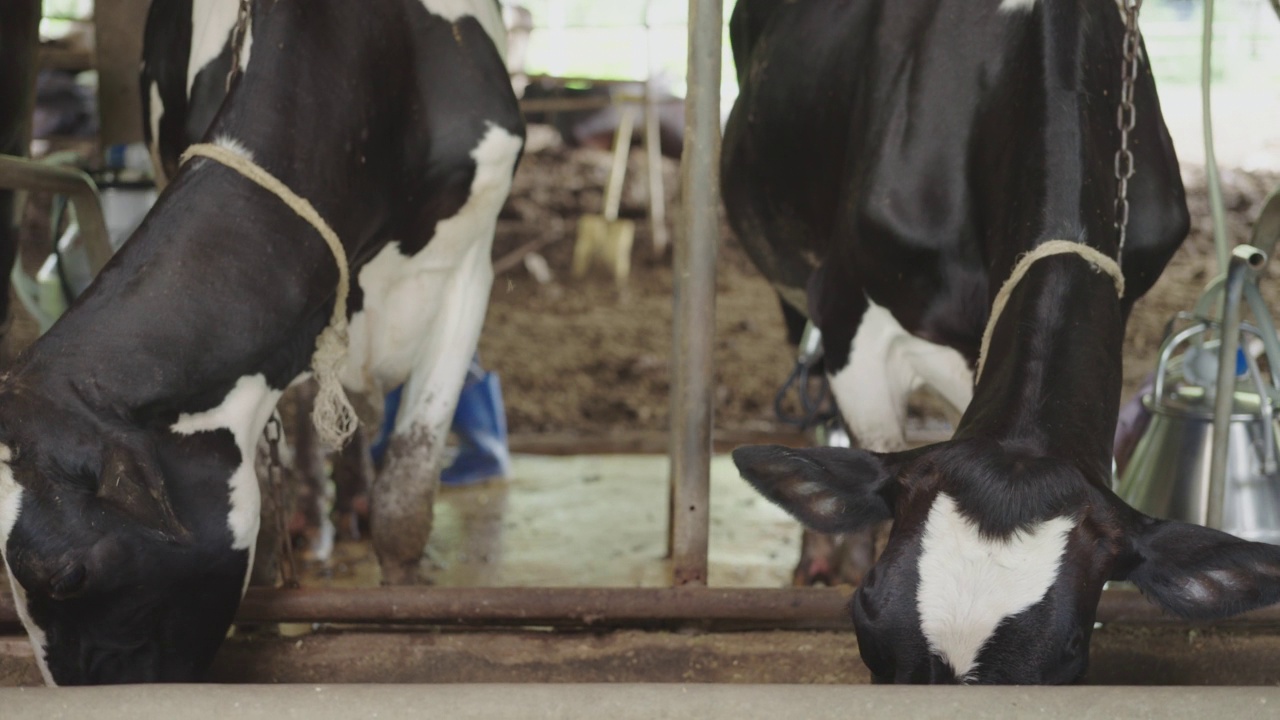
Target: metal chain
point(238, 32)
point(1126, 116)
point(289, 568)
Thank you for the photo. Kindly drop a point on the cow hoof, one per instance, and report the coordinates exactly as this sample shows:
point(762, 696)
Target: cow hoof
point(812, 571)
point(352, 522)
point(348, 527)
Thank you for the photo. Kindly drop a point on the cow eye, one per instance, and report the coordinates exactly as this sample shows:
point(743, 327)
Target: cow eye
point(69, 582)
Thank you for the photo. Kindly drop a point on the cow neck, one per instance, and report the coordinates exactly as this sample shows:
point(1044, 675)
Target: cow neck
point(320, 107)
point(1052, 247)
point(223, 280)
point(1052, 380)
point(333, 415)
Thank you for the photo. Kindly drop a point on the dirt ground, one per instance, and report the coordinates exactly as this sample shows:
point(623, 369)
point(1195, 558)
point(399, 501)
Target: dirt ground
point(579, 356)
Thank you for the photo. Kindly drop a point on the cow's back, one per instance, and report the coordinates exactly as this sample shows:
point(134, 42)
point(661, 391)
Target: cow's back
point(904, 149)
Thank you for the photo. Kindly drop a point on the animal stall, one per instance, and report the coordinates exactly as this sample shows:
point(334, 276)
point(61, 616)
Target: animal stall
point(688, 631)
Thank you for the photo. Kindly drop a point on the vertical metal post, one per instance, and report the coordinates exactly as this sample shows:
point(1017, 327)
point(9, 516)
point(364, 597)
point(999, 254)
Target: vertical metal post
point(695, 297)
point(1244, 263)
point(119, 25)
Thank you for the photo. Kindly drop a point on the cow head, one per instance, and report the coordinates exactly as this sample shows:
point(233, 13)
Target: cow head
point(997, 558)
point(116, 575)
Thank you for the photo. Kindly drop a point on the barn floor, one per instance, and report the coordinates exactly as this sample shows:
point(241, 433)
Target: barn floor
point(1120, 655)
point(600, 521)
point(586, 521)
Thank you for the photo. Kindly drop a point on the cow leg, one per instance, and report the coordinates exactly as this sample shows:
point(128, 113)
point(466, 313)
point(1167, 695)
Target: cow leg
point(872, 380)
point(885, 364)
point(872, 385)
point(307, 475)
point(404, 490)
point(421, 319)
point(353, 475)
point(819, 552)
point(266, 556)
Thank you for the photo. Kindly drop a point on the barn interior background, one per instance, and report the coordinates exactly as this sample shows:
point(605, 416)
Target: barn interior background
point(586, 364)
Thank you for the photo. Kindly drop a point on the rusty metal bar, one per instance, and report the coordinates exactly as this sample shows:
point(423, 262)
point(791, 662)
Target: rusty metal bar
point(540, 607)
point(564, 607)
point(789, 608)
point(694, 293)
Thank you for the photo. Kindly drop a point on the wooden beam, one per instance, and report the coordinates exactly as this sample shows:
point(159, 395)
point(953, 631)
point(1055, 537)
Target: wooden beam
point(119, 27)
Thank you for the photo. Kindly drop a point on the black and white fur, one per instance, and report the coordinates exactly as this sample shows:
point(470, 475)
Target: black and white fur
point(886, 164)
point(128, 504)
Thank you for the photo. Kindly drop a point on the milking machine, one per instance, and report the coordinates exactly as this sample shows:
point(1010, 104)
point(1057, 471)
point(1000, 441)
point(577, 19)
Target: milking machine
point(1209, 439)
point(1208, 451)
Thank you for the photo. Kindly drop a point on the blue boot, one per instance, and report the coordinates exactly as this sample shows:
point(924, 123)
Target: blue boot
point(480, 422)
point(391, 406)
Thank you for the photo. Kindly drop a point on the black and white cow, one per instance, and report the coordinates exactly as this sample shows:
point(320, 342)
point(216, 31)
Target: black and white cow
point(886, 165)
point(128, 501)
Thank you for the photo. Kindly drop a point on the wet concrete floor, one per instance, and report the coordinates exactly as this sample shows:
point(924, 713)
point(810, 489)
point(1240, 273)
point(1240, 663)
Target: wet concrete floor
point(595, 520)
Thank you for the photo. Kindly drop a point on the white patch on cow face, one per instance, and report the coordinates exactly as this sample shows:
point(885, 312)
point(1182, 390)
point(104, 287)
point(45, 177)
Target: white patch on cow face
point(244, 413)
point(969, 584)
point(1010, 6)
point(10, 509)
point(486, 12)
point(211, 25)
point(886, 364)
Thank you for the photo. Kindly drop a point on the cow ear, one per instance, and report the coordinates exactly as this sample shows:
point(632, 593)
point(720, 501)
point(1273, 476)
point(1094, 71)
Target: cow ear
point(137, 489)
point(831, 490)
point(1199, 573)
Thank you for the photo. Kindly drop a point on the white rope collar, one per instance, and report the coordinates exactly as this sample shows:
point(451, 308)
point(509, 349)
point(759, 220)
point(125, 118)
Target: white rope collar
point(334, 418)
point(1048, 249)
